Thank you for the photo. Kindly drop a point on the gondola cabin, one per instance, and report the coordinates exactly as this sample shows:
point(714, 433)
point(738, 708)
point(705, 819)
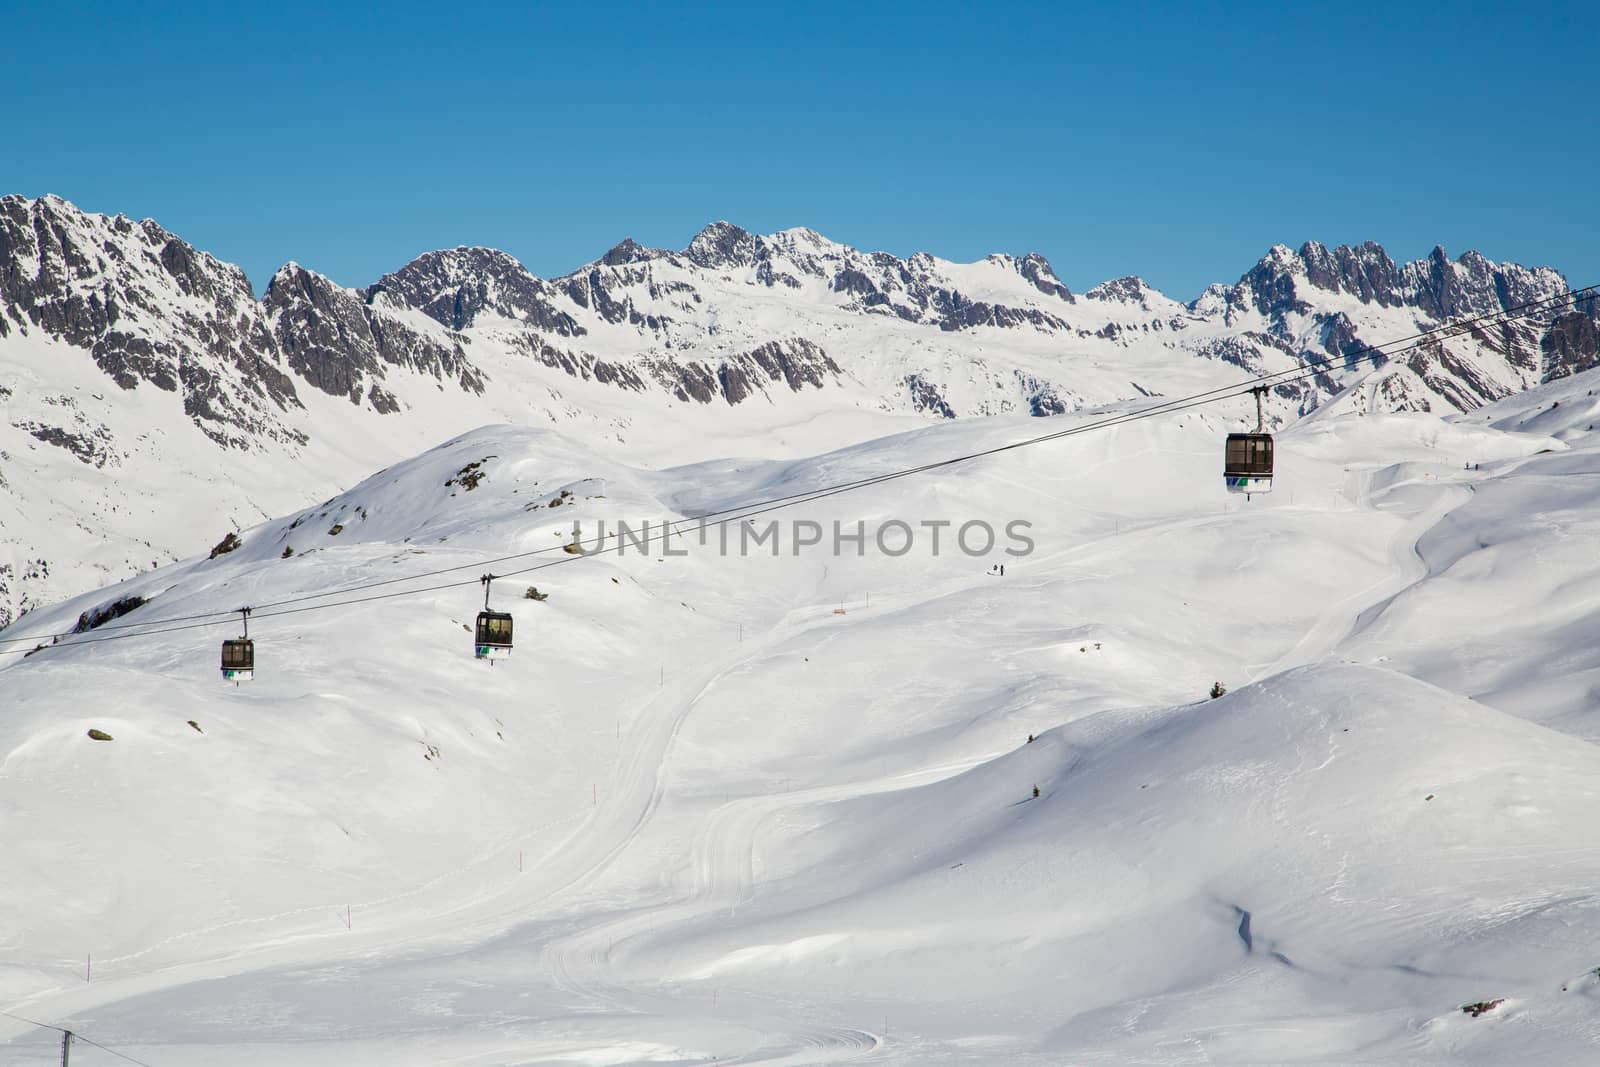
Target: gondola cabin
point(1247, 463)
point(238, 660)
point(493, 635)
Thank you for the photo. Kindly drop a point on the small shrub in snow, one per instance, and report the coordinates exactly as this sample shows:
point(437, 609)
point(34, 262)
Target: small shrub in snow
point(288, 550)
point(106, 612)
point(469, 476)
point(227, 544)
point(1217, 689)
point(534, 594)
point(98, 735)
point(1036, 792)
point(336, 529)
point(1482, 1006)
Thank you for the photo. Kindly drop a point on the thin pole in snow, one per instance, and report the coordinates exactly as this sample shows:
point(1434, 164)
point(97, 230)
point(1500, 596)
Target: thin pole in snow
point(594, 793)
point(519, 861)
point(66, 1047)
point(88, 966)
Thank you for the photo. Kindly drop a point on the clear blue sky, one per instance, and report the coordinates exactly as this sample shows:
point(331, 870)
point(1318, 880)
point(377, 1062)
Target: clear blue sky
point(1174, 142)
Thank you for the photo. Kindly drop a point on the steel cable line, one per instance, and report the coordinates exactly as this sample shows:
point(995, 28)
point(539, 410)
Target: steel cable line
point(1277, 378)
point(742, 512)
point(75, 1036)
point(724, 517)
point(1300, 372)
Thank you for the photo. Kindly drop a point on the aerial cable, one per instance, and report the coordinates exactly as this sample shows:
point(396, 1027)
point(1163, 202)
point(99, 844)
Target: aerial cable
point(751, 509)
point(1288, 376)
point(739, 513)
point(76, 1036)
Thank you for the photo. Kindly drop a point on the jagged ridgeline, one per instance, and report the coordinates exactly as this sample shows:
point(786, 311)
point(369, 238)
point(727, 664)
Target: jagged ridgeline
point(732, 316)
point(128, 356)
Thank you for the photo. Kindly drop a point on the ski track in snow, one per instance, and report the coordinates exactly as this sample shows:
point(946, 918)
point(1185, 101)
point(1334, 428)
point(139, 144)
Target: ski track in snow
point(577, 962)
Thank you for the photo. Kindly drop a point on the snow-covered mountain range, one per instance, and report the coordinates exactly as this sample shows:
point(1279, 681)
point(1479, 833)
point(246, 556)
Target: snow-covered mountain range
point(151, 403)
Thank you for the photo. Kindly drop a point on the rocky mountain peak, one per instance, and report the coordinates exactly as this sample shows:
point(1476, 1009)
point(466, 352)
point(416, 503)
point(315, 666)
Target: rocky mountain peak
point(722, 244)
point(1365, 271)
point(292, 278)
point(1130, 289)
point(344, 344)
point(627, 251)
point(1037, 270)
point(805, 239)
point(149, 308)
point(1472, 284)
point(454, 287)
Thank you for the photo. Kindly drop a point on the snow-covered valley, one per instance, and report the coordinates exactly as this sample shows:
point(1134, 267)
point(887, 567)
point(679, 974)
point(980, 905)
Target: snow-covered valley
point(820, 806)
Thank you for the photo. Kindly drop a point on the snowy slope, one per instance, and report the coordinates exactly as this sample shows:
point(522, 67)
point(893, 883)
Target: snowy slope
point(810, 836)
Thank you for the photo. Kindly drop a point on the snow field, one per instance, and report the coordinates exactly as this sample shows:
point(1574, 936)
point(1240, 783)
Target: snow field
point(751, 828)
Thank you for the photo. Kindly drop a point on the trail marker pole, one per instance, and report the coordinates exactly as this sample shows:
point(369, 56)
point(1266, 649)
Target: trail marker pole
point(66, 1047)
point(88, 966)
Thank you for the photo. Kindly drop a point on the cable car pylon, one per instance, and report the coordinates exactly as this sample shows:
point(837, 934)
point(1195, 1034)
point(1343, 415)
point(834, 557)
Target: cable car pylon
point(1247, 459)
point(492, 639)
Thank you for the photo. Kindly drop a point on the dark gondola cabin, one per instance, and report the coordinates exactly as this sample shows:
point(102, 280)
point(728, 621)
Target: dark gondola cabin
point(238, 660)
point(493, 635)
point(1247, 464)
point(1247, 459)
